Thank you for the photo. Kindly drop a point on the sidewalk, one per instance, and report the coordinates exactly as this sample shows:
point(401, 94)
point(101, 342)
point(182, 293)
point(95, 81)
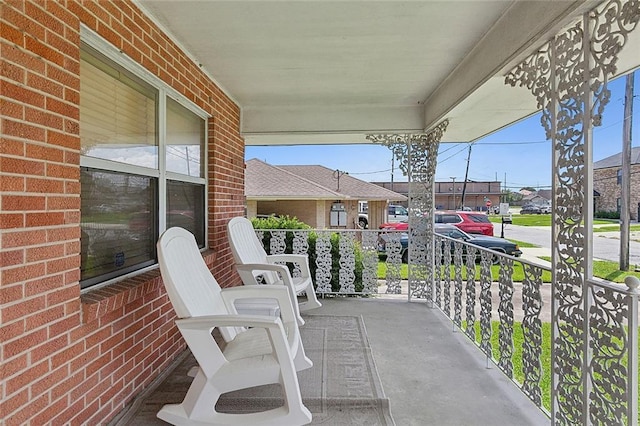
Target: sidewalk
point(533, 254)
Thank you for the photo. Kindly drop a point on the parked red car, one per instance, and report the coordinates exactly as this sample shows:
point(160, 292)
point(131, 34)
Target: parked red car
point(398, 226)
point(469, 222)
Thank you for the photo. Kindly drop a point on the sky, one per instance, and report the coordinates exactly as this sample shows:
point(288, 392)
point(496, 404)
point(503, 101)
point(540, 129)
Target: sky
point(518, 156)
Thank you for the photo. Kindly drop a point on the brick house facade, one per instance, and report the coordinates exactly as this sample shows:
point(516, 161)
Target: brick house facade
point(606, 183)
point(607, 175)
point(70, 356)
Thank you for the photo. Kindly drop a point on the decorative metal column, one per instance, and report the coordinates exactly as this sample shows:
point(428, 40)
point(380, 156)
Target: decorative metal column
point(417, 155)
point(569, 76)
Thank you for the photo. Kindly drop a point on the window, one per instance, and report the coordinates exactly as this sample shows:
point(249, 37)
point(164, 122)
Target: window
point(142, 166)
point(619, 177)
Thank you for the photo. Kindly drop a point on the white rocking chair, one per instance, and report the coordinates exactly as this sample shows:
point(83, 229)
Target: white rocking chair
point(259, 349)
point(253, 261)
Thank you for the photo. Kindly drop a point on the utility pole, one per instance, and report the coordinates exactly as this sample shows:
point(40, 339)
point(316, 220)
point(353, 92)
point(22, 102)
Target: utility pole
point(453, 178)
point(466, 175)
point(625, 187)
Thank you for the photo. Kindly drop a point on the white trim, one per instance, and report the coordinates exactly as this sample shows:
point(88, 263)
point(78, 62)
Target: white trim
point(184, 50)
point(115, 166)
point(107, 49)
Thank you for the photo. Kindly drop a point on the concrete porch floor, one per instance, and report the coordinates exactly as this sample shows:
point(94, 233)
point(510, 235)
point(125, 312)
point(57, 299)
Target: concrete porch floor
point(431, 374)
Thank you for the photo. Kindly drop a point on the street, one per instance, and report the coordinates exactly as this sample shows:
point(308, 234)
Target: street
point(606, 245)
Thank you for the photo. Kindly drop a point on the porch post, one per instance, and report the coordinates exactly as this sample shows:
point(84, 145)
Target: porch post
point(417, 155)
point(569, 76)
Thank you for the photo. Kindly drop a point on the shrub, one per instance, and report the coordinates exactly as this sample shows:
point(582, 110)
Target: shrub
point(602, 214)
point(287, 222)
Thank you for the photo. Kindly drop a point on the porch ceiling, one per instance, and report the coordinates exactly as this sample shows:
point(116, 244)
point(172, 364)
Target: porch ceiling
point(331, 72)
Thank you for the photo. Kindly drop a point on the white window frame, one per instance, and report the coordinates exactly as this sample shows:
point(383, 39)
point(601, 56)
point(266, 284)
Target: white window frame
point(93, 40)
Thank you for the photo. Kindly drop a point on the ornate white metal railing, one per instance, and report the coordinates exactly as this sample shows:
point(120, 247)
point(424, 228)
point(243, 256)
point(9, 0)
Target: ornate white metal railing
point(508, 319)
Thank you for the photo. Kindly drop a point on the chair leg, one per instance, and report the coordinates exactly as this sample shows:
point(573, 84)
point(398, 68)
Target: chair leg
point(198, 408)
point(300, 360)
point(312, 301)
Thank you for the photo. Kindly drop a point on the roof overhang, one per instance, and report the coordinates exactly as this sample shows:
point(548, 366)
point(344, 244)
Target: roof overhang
point(318, 72)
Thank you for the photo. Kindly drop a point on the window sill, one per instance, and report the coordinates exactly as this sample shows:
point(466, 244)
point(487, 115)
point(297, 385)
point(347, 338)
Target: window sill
point(102, 301)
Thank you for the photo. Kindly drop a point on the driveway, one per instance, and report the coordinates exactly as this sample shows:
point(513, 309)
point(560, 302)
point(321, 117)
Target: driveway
point(606, 245)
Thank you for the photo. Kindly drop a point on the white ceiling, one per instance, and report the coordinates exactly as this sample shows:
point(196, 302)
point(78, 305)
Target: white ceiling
point(333, 71)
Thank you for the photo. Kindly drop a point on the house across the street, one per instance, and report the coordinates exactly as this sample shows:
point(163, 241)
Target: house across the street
point(607, 181)
point(318, 196)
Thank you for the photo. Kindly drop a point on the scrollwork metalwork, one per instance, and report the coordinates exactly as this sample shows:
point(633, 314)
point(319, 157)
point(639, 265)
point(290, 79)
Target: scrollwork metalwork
point(505, 311)
point(393, 248)
point(457, 288)
point(532, 332)
point(556, 77)
point(485, 302)
point(347, 262)
point(369, 262)
point(609, 365)
point(323, 262)
point(417, 157)
point(470, 329)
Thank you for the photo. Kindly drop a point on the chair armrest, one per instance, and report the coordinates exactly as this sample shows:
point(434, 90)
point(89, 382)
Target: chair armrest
point(258, 267)
point(197, 333)
point(302, 260)
point(281, 294)
point(209, 322)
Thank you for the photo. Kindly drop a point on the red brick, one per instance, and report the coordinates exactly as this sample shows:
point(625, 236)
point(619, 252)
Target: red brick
point(44, 186)
point(41, 318)
point(66, 140)
point(45, 416)
point(11, 109)
point(10, 331)
point(11, 147)
point(43, 51)
point(52, 345)
point(63, 387)
point(63, 295)
point(24, 343)
point(23, 167)
point(8, 221)
point(22, 273)
point(44, 219)
point(42, 285)
point(63, 203)
point(12, 184)
point(63, 234)
point(46, 85)
point(11, 404)
point(21, 417)
point(22, 203)
point(11, 258)
point(63, 171)
point(22, 94)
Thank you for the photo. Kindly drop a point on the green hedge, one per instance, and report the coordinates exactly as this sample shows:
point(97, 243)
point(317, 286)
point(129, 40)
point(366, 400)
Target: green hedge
point(287, 222)
point(602, 214)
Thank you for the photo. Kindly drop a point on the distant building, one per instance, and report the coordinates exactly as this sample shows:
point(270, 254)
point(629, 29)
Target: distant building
point(449, 197)
point(316, 195)
point(607, 179)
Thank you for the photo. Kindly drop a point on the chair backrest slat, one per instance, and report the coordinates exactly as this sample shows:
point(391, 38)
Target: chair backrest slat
point(190, 285)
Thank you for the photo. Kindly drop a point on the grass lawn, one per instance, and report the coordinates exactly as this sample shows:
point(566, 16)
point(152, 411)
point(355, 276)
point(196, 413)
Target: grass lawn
point(601, 268)
point(518, 339)
point(518, 274)
point(613, 228)
point(541, 220)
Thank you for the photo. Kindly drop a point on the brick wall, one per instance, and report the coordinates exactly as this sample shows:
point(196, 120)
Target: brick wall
point(69, 358)
point(605, 181)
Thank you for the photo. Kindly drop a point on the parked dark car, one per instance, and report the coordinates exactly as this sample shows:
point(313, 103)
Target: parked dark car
point(493, 243)
point(530, 209)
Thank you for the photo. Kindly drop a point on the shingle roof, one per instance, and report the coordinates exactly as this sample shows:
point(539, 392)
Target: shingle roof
point(263, 180)
point(616, 160)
